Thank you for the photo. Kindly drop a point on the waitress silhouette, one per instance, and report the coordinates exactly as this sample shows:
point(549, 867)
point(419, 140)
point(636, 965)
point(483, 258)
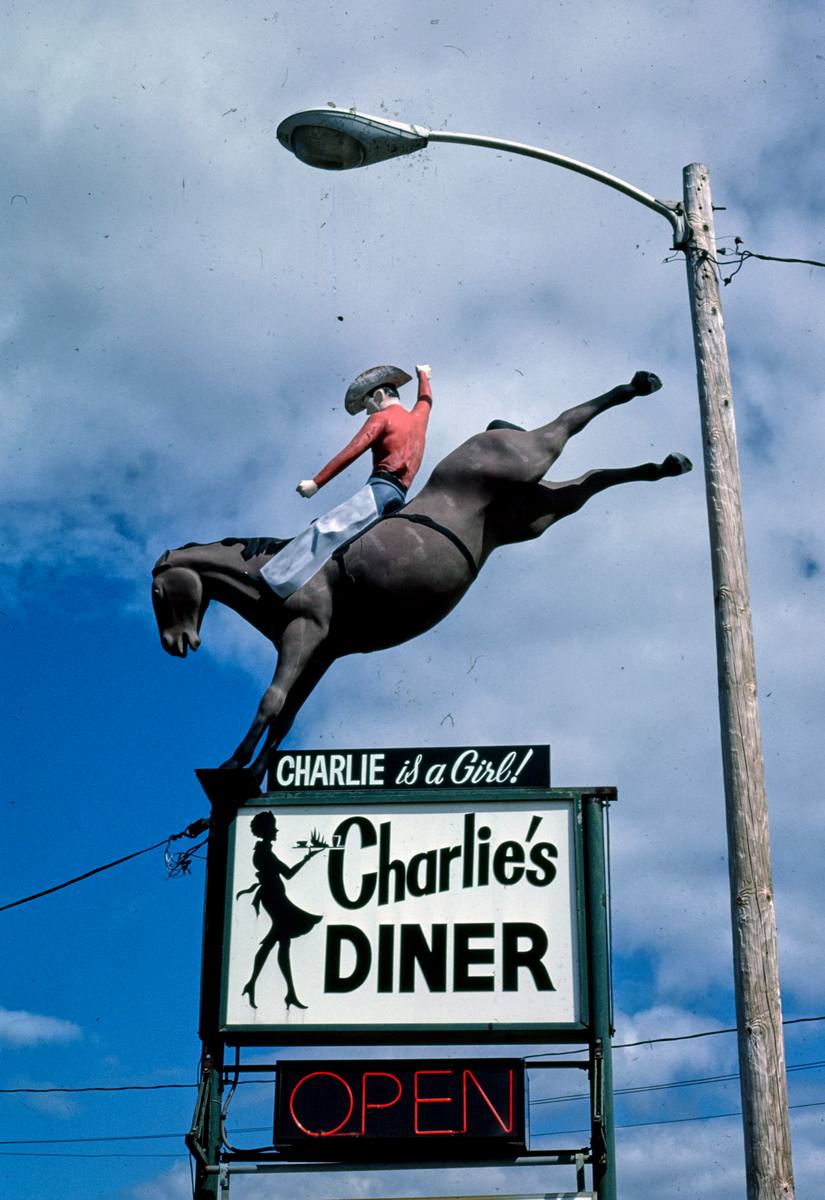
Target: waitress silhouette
point(288, 920)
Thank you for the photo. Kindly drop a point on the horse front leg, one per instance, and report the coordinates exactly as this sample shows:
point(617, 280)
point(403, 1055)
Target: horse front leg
point(300, 641)
point(298, 693)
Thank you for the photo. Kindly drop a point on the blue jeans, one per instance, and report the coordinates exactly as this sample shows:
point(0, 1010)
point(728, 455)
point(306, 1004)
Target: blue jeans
point(389, 496)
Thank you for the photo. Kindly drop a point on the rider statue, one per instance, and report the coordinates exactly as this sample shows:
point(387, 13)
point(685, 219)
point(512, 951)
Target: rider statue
point(396, 437)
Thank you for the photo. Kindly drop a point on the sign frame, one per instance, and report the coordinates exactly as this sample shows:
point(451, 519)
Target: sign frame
point(414, 1033)
point(230, 791)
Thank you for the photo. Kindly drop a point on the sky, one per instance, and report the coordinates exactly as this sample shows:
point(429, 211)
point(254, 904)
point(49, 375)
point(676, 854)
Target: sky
point(184, 306)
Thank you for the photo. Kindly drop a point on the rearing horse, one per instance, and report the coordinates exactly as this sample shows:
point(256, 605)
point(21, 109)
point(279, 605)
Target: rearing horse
point(400, 577)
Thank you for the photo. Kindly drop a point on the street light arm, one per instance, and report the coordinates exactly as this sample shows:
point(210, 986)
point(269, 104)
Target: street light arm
point(673, 213)
point(339, 139)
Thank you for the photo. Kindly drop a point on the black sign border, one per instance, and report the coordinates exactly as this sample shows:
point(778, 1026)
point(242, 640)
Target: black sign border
point(535, 774)
point(438, 1146)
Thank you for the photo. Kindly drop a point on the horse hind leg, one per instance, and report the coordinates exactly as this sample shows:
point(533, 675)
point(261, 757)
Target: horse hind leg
point(557, 500)
point(549, 440)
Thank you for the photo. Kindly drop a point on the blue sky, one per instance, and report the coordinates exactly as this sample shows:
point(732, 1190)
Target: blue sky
point(174, 359)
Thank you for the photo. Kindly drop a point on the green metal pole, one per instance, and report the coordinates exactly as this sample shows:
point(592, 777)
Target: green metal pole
point(224, 807)
point(209, 1117)
point(601, 1082)
point(208, 1133)
point(226, 790)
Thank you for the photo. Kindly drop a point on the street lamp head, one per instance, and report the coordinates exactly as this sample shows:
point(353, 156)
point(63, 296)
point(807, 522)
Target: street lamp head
point(337, 139)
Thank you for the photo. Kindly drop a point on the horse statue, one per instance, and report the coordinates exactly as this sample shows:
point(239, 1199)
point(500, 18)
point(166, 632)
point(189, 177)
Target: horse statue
point(402, 575)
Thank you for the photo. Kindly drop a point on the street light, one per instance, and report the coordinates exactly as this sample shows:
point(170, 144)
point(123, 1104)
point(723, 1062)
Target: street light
point(338, 139)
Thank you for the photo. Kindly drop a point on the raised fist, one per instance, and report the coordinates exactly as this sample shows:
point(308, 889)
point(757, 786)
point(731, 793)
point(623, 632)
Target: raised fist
point(424, 371)
point(307, 488)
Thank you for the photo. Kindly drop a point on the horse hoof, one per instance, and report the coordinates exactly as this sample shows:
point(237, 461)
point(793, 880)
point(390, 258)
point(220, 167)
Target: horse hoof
point(645, 382)
point(676, 464)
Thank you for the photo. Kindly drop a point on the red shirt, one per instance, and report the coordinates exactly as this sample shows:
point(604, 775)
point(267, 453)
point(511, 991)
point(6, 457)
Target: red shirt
point(397, 439)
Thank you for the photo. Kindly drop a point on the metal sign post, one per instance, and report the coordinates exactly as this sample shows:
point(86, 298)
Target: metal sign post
point(601, 1023)
point(434, 900)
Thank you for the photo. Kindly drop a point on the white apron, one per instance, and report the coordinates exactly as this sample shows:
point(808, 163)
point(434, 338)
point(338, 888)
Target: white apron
point(293, 566)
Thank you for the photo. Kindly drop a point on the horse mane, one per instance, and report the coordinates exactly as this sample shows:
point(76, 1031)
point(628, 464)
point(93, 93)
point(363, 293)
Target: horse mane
point(252, 547)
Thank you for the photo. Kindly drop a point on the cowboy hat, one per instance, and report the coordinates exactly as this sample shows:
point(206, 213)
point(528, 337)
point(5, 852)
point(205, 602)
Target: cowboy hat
point(368, 381)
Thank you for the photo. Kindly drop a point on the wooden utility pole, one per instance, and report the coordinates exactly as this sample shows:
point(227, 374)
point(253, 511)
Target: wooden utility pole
point(756, 973)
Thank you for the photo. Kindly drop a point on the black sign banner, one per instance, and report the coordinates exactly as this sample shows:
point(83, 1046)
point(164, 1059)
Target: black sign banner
point(444, 767)
point(406, 1106)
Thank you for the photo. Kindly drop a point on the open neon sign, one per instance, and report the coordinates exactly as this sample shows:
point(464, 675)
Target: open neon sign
point(329, 1109)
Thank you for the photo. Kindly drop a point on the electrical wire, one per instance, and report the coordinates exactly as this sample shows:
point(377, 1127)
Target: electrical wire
point(679, 1037)
point(159, 1087)
point(118, 1087)
point(191, 831)
point(679, 1120)
point(738, 257)
point(663, 1087)
point(651, 1087)
point(65, 1154)
point(266, 1128)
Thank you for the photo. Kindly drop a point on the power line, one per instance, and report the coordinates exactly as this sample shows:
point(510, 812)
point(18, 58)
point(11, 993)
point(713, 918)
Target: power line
point(663, 1087)
point(69, 1154)
point(119, 1087)
point(191, 831)
point(740, 257)
point(680, 1120)
point(679, 1037)
point(159, 1087)
point(737, 257)
point(687, 1037)
point(123, 1137)
point(138, 1137)
point(266, 1129)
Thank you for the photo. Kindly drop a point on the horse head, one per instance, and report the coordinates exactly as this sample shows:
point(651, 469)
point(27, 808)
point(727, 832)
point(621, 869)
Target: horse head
point(179, 602)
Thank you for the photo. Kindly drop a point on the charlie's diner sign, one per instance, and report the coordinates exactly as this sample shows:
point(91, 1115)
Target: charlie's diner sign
point(422, 914)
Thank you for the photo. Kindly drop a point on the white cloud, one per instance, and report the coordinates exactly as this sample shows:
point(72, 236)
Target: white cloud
point(20, 1028)
point(663, 1062)
point(175, 1184)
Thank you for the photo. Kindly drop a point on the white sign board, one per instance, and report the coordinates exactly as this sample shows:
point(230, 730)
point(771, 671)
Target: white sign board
point(437, 915)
